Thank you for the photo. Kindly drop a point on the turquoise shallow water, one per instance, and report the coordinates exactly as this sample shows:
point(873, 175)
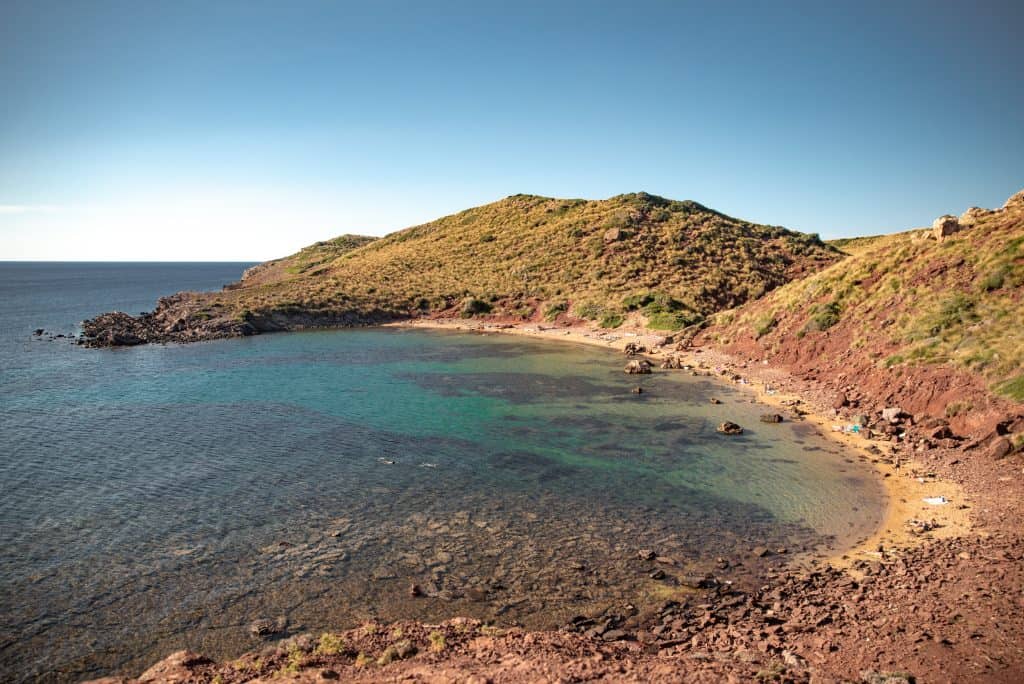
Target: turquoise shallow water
point(157, 498)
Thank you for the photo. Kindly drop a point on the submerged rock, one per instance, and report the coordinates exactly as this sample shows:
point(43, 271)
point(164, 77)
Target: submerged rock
point(771, 418)
point(730, 428)
point(638, 367)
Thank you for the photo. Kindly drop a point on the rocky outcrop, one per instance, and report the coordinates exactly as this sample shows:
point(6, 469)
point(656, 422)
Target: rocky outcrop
point(171, 321)
point(729, 428)
point(189, 317)
point(973, 216)
point(1016, 200)
point(944, 226)
point(633, 348)
point(638, 367)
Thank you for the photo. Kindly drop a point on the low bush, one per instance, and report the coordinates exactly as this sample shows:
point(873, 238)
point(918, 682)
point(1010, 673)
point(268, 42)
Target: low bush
point(472, 306)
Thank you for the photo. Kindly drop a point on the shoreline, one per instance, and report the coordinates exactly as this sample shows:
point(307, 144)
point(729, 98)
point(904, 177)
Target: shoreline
point(904, 494)
point(913, 610)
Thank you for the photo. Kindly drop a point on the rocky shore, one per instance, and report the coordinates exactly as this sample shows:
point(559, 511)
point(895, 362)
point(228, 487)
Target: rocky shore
point(187, 317)
point(935, 613)
point(928, 599)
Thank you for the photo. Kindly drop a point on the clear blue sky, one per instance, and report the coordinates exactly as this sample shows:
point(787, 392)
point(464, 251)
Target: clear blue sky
point(244, 130)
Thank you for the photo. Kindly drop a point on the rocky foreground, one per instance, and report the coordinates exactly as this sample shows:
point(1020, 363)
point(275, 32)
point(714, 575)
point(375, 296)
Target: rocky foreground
point(947, 611)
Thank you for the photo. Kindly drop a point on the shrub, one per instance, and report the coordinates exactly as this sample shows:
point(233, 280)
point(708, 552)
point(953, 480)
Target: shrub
point(823, 317)
point(666, 321)
point(994, 280)
point(765, 325)
point(958, 407)
point(437, 641)
point(1013, 388)
point(553, 310)
point(956, 310)
point(588, 310)
point(611, 320)
point(637, 301)
point(472, 306)
point(894, 360)
point(330, 644)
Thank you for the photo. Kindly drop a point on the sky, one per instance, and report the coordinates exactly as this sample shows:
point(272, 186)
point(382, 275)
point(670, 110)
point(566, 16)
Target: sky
point(245, 130)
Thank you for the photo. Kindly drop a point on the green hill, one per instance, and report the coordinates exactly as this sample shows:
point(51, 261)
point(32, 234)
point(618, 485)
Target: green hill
point(525, 256)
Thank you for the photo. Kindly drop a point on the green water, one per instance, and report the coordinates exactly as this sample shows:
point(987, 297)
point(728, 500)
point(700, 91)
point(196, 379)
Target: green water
point(160, 498)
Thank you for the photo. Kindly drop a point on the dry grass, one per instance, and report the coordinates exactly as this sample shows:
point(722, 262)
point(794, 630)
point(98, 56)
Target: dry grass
point(907, 299)
point(526, 254)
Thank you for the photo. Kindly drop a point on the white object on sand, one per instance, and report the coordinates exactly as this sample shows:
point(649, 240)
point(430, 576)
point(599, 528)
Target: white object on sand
point(936, 500)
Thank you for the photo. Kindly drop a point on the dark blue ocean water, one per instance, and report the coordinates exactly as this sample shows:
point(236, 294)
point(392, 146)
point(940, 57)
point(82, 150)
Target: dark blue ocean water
point(164, 497)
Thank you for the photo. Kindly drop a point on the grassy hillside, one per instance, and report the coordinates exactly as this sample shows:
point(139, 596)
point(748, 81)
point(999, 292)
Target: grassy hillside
point(526, 256)
point(906, 299)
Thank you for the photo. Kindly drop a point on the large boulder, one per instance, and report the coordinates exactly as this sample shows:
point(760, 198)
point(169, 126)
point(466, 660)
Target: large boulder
point(893, 414)
point(945, 226)
point(999, 448)
point(638, 367)
point(730, 428)
point(632, 348)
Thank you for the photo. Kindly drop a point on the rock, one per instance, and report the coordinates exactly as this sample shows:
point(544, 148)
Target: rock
point(399, 651)
point(176, 667)
point(872, 677)
point(730, 428)
point(638, 367)
point(476, 594)
point(264, 627)
point(328, 674)
point(771, 418)
point(646, 554)
point(945, 226)
point(699, 581)
point(973, 215)
point(761, 551)
point(415, 591)
point(658, 574)
point(633, 348)
point(841, 401)
point(638, 390)
point(38, 332)
point(614, 235)
point(793, 660)
point(942, 432)
point(892, 414)
point(1000, 448)
point(715, 401)
point(1016, 200)
point(674, 362)
point(614, 635)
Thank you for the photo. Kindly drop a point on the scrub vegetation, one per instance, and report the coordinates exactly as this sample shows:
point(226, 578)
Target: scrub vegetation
point(907, 299)
point(674, 262)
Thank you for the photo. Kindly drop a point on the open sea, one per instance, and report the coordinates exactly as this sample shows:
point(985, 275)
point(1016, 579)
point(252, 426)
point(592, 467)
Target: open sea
point(165, 497)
